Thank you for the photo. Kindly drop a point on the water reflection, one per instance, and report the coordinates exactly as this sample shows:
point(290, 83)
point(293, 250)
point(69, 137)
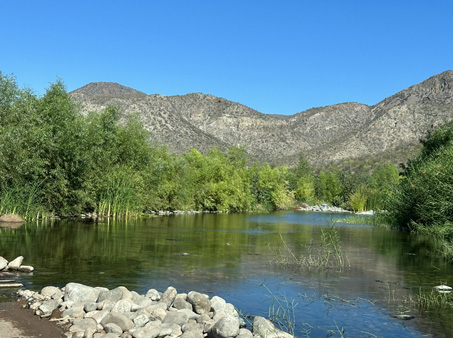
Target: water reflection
point(228, 255)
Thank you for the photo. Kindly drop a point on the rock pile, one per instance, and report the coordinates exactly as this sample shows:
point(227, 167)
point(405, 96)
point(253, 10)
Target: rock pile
point(97, 312)
point(14, 265)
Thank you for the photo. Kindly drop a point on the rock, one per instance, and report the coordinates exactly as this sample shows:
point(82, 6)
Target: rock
point(442, 288)
point(11, 218)
point(123, 306)
point(170, 329)
point(200, 302)
point(265, 328)
point(109, 335)
point(113, 328)
point(180, 304)
point(3, 263)
point(15, 263)
point(75, 311)
point(114, 295)
point(26, 268)
point(48, 306)
point(224, 328)
point(153, 294)
point(98, 316)
point(244, 333)
point(119, 319)
point(190, 314)
point(80, 293)
point(141, 320)
point(86, 326)
point(179, 318)
point(169, 296)
point(52, 292)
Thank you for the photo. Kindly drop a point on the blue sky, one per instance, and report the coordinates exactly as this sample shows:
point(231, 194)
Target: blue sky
point(278, 57)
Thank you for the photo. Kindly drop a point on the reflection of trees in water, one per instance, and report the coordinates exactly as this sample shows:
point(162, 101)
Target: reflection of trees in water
point(385, 266)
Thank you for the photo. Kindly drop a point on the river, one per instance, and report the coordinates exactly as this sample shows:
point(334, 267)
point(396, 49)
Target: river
point(230, 255)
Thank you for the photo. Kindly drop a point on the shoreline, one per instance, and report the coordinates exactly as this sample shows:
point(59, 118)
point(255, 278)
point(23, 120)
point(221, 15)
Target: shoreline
point(96, 312)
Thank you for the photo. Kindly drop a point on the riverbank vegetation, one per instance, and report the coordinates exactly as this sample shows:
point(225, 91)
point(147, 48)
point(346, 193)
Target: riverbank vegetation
point(55, 161)
point(423, 201)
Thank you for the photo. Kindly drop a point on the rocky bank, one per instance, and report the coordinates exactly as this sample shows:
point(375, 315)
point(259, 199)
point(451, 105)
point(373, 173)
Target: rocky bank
point(96, 312)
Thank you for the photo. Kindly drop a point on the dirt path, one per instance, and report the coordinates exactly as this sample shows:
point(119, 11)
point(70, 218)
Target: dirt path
point(17, 322)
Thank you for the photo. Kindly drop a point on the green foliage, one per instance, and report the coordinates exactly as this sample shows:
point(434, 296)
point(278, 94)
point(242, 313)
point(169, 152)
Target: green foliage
point(328, 187)
point(424, 198)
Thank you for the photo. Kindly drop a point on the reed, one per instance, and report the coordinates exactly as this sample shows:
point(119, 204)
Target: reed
point(327, 255)
point(23, 201)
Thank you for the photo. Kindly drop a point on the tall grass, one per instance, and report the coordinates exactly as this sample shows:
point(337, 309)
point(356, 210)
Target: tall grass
point(120, 195)
point(23, 200)
point(327, 255)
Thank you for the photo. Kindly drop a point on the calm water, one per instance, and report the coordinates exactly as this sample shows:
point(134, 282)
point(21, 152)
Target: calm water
point(229, 255)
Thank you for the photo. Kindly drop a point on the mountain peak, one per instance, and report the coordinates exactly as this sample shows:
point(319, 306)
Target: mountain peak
point(107, 89)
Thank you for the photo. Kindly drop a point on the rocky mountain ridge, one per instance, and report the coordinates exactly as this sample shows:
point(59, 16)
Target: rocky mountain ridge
point(346, 131)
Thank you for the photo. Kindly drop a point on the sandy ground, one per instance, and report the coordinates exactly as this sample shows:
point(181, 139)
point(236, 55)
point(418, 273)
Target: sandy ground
point(17, 322)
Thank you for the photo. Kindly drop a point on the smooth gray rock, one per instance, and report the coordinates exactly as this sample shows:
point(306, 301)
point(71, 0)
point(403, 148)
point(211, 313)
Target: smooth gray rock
point(106, 304)
point(119, 319)
point(158, 314)
point(123, 306)
point(169, 296)
point(25, 268)
point(178, 318)
point(170, 329)
point(244, 333)
point(142, 332)
point(80, 293)
point(15, 263)
point(98, 316)
point(109, 335)
point(75, 311)
point(180, 303)
point(114, 295)
point(200, 302)
point(192, 325)
point(224, 328)
point(153, 294)
point(227, 310)
point(83, 325)
point(88, 307)
point(190, 314)
point(192, 334)
point(48, 306)
point(52, 292)
point(113, 328)
point(3, 263)
point(141, 320)
point(265, 328)
point(217, 303)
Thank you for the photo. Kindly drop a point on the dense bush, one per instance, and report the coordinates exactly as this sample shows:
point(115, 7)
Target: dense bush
point(425, 196)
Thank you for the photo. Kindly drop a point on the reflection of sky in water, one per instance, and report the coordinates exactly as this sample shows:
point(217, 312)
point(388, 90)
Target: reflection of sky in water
point(303, 217)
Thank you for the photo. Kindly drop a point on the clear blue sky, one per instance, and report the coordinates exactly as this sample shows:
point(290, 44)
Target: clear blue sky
point(278, 57)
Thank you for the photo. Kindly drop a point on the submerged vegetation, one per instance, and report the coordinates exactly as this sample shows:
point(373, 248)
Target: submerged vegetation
point(316, 257)
point(55, 161)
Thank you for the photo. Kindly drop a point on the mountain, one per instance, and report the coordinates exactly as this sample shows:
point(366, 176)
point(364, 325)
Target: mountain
point(389, 130)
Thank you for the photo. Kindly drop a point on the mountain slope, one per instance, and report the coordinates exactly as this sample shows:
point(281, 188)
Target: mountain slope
point(325, 134)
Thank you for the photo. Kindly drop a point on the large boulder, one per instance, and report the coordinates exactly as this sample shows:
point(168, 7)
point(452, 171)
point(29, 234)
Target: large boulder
point(3, 263)
point(264, 328)
point(225, 327)
point(200, 302)
point(15, 263)
point(79, 293)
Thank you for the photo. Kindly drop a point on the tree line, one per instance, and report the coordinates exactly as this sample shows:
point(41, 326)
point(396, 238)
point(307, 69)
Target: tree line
point(55, 161)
